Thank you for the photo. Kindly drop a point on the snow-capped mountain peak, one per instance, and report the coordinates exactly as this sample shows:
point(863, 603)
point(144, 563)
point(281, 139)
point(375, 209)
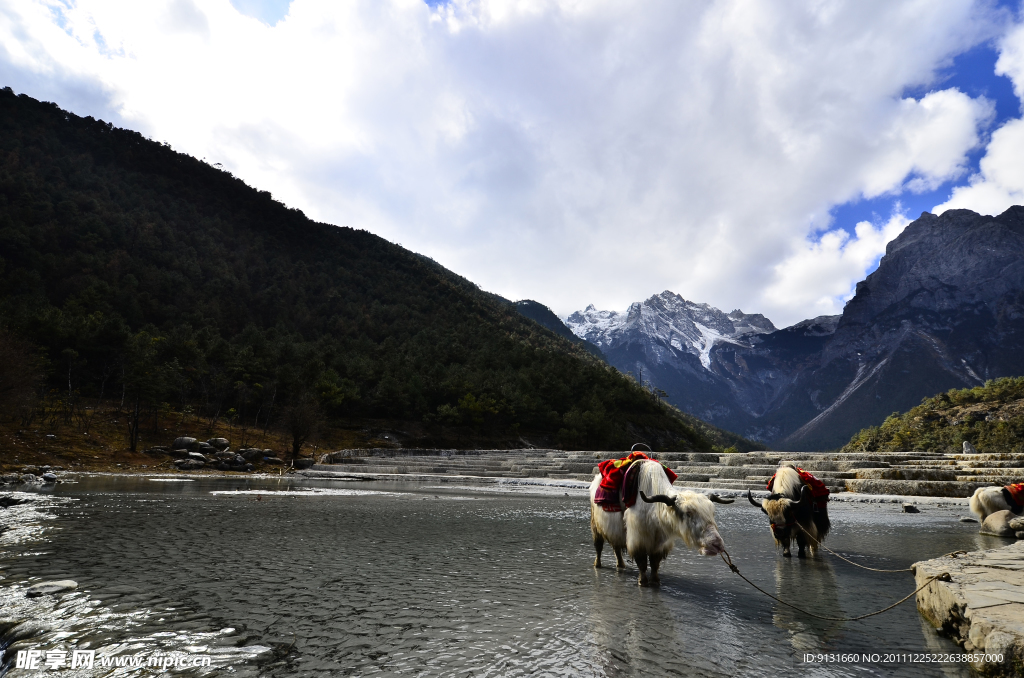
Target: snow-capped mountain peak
point(668, 324)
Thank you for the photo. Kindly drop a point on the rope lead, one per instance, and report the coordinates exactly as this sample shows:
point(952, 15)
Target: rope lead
point(865, 567)
point(727, 559)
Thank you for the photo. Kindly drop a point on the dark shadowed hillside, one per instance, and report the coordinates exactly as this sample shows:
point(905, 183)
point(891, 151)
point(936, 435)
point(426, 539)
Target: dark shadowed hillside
point(147, 276)
point(544, 316)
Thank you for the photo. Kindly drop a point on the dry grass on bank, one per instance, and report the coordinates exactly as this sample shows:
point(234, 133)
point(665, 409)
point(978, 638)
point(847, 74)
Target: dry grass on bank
point(96, 440)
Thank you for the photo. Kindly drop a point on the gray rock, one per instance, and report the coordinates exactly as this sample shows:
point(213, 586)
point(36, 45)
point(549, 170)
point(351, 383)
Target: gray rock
point(183, 443)
point(30, 469)
point(50, 587)
point(910, 508)
point(224, 455)
point(28, 479)
point(179, 454)
point(268, 453)
point(272, 460)
point(969, 449)
point(49, 477)
point(1002, 524)
point(219, 443)
point(189, 464)
point(223, 466)
point(10, 478)
point(251, 453)
point(974, 601)
point(968, 519)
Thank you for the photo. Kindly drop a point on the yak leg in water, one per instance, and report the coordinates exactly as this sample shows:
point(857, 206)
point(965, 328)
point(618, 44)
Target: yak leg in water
point(641, 564)
point(655, 564)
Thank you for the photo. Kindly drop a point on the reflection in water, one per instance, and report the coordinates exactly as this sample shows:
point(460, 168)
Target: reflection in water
point(810, 584)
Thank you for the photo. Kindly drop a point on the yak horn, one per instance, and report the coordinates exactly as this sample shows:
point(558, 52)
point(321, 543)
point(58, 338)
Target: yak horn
point(658, 498)
point(750, 498)
point(718, 500)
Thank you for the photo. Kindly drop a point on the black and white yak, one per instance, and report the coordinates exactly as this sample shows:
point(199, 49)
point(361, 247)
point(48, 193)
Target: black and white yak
point(791, 507)
point(648, 529)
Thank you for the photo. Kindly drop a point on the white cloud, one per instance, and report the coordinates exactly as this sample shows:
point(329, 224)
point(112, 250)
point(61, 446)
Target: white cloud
point(816, 275)
point(1000, 180)
point(563, 150)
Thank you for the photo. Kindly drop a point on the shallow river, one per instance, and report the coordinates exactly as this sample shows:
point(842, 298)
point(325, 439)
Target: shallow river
point(416, 580)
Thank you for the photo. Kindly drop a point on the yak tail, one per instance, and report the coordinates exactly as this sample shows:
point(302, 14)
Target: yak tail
point(822, 523)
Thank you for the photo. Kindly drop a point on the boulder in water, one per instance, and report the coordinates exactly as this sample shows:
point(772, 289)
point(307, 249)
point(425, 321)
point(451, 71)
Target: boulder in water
point(1003, 524)
point(49, 478)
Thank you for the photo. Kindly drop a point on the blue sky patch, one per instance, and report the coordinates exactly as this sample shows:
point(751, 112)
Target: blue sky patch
point(267, 11)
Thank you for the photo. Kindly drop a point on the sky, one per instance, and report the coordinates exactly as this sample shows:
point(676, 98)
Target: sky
point(748, 155)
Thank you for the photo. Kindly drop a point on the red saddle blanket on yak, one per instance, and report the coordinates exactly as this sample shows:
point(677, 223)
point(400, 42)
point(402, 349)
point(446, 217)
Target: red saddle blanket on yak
point(1016, 493)
point(819, 492)
point(619, 487)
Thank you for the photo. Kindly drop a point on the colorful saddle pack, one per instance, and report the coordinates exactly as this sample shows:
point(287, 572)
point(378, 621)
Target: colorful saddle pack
point(619, 481)
point(1016, 492)
point(819, 492)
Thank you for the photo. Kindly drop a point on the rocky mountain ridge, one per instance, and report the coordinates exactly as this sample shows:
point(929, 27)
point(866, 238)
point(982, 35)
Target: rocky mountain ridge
point(944, 309)
point(668, 320)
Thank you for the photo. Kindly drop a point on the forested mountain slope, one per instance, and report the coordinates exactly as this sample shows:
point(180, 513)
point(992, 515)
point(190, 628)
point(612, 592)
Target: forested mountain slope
point(149, 275)
point(990, 417)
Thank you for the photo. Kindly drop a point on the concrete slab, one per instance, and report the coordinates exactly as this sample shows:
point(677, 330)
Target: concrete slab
point(980, 606)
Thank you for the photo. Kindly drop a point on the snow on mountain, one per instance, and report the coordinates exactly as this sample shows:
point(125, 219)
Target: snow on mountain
point(666, 323)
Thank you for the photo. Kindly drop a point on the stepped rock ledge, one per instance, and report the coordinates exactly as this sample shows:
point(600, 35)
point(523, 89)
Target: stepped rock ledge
point(981, 607)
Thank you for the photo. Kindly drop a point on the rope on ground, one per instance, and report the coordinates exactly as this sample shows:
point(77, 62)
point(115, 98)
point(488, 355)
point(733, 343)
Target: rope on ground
point(865, 567)
point(727, 559)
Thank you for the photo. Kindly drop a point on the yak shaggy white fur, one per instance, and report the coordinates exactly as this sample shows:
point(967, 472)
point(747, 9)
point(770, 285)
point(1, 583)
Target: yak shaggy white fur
point(648, 529)
point(988, 500)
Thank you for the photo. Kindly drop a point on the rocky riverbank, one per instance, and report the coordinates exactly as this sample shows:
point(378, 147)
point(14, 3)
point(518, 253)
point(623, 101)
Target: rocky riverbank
point(980, 605)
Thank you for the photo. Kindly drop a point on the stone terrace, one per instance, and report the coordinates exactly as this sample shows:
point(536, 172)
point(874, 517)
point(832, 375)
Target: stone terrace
point(907, 473)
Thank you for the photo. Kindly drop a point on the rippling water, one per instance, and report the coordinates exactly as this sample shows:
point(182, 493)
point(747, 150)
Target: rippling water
point(402, 579)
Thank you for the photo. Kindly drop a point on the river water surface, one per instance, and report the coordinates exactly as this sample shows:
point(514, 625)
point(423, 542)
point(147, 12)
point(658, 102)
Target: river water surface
point(330, 579)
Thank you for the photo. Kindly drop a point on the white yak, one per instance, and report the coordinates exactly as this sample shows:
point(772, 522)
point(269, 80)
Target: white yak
point(649, 528)
point(988, 500)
